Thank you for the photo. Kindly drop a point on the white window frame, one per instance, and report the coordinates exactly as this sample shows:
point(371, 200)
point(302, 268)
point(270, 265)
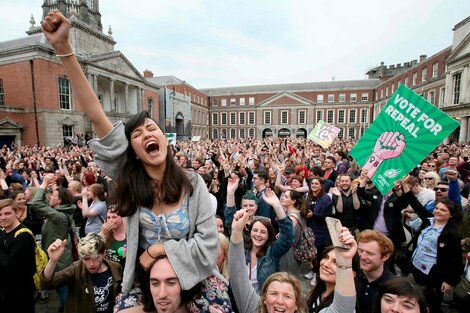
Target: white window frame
point(386, 91)
point(331, 98)
point(233, 101)
point(241, 133)
point(435, 70)
point(233, 118)
point(284, 114)
point(342, 97)
point(242, 101)
point(223, 102)
point(353, 97)
point(319, 98)
point(349, 132)
point(432, 96)
point(424, 73)
point(341, 116)
point(407, 81)
point(319, 116)
point(241, 119)
point(267, 117)
point(365, 97)
point(251, 133)
point(233, 133)
point(364, 115)
point(64, 93)
point(354, 113)
point(442, 95)
point(223, 116)
point(414, 80)
point(250, 114)
point(215, 133)
point(251, 101)
point(299, 117)
point(328, 116)
point(67, 131)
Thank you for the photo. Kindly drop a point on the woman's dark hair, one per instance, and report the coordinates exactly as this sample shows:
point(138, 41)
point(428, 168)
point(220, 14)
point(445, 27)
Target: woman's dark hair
point(310, 194)
point(315, 295)
point(135, 188)
point(401, 286)
point(299, 202)
point(271, 236)
point(186, 295)
point(454, 210)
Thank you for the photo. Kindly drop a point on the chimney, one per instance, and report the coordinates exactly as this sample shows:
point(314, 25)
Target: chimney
point(148, 73)
point(422, 57)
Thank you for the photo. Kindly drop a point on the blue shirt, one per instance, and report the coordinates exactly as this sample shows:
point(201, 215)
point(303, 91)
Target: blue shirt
point(425, 254)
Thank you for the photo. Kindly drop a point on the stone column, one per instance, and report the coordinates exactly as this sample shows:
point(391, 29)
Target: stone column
point(141, 102)
point(448, 91)
point(95, 83)
point(126, 98)
point(463, 129)
point(111, 95)
point(464, 88)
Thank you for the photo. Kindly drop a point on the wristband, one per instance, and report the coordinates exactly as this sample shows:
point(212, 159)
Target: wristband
point(343, 267)
point(148, 252)
point(65, 55)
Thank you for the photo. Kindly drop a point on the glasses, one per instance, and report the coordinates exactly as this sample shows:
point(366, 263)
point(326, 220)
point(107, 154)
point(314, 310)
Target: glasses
point(262, 218)
point(429, 178)
point(440, 189)
point(432, 165)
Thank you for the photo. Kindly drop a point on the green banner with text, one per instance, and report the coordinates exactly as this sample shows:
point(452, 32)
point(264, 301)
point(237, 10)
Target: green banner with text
point(407, 129)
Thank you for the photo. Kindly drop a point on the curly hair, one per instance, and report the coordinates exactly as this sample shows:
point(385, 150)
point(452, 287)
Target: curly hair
point(282, 277)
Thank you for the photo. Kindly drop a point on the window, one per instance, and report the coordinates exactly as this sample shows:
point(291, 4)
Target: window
point(251, 118)
point(381, 93)
point(319, 116)
point(330, 116)
point(67, 132)
point(2, 94)
point(302, 117)
point(267, 117)
point(150, 107)
point(341, 133)
point(362, 131)
point(214, 134)
point(64, 93)
point(215, 118)
point(232, 133)
point(284, 117)
point(364, 115)
point(213, 102)
point(251, 133)
point(241, 133)
point(352, 116)
point(386, 91)
point(353, 97)
point(251, 101)
point(456, 88)
point(223, 102)
point(415, 79)
point(319, 98)
point(241, 118)
point(233, 101)
point(242, 101)
point(424, 73)
point(352, 132)
point(365, 97)
point(407, 81)
point(223, 134)
point(435, 70)
point(341, 116)
point(342, 97)
point(223, 117)
point(331, 98)
point(432, 96)
point(393, 88)
point(233, 118)
point(91, 4)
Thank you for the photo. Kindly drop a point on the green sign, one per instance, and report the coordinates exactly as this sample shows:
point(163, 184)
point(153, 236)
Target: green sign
point(324, 134)
point(407, 129)
point(171, 138)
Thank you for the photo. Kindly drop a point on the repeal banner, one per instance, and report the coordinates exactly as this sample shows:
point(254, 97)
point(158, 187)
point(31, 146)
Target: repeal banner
point(324, 134)
point(407, 129)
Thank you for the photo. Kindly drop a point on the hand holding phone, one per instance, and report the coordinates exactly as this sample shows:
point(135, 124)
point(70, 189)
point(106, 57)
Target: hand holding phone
point(334, 228)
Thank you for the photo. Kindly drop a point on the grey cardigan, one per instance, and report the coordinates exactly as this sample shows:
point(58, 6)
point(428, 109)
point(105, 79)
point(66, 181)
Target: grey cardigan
point(247, 299)
point(193, 258)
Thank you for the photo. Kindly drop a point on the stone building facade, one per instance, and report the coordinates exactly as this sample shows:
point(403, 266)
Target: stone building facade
point(37, 104)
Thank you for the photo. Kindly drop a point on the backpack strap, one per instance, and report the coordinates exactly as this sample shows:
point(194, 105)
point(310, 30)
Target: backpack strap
point(301, 228)
point(24, 230)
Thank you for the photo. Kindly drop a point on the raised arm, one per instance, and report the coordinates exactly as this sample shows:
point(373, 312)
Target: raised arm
point(56, 28)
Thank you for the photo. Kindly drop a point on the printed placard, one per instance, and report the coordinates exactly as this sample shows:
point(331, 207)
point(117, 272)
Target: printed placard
point(324, 134)
point(171, 138)
point(407, 129)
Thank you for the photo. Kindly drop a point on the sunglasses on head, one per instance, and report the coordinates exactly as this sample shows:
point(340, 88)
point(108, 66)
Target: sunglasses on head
point(259, 217)
point(440, 189)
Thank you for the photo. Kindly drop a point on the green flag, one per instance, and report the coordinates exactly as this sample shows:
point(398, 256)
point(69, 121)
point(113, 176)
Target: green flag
point(407, 129)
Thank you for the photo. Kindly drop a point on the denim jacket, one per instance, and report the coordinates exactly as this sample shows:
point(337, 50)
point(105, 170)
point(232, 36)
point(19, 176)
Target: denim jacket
point(269, 263)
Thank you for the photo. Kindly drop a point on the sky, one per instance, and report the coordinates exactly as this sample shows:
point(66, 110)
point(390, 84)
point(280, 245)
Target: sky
point(219, 43)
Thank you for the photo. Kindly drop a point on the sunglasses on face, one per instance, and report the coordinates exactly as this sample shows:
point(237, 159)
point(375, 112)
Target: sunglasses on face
point(440, 189)
point(429, 178)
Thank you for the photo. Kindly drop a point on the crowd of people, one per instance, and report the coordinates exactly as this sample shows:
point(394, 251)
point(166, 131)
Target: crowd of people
point(132, 224)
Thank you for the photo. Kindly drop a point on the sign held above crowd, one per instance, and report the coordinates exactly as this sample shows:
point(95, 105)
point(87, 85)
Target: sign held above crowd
point(407, 129)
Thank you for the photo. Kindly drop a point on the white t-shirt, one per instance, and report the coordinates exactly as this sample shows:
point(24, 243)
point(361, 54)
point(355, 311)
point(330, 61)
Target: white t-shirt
point(425, 195)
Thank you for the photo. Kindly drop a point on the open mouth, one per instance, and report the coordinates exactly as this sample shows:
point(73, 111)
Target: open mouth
point(279, 309)
point(152, 146)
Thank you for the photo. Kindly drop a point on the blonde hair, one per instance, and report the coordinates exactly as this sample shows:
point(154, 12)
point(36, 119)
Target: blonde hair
point(224, 244)
point(283, 277)
point(91, 245)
